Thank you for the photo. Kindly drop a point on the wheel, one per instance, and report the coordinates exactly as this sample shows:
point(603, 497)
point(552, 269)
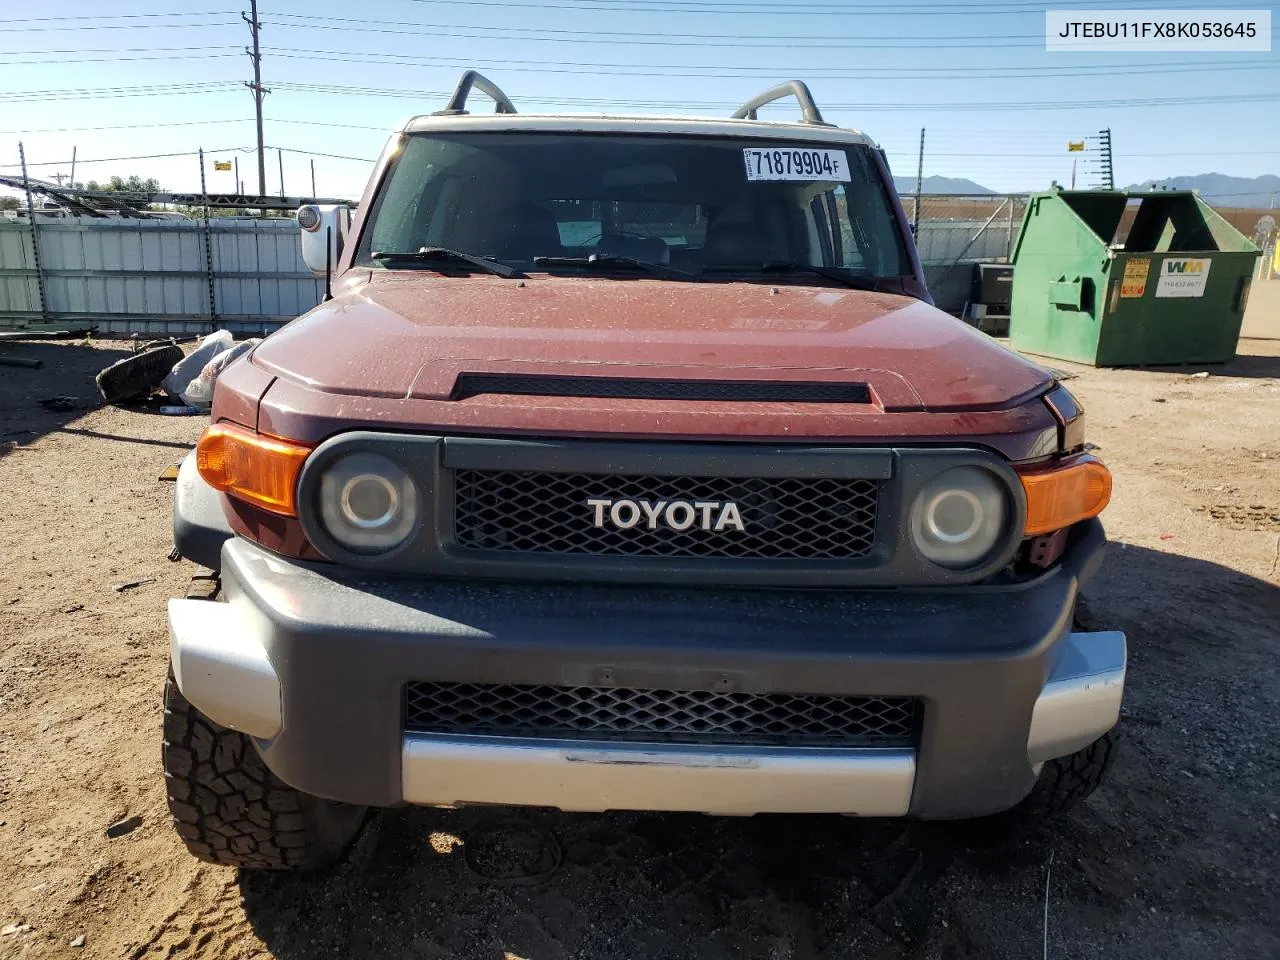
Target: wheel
point(230, 809)
point(138, 375)
point(1068, 780)
point(1063, 783)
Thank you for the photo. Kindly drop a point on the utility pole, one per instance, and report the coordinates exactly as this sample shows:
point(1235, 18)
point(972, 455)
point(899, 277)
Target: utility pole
point(313, 177)
point(1107, 171)
point(73, 167)
point(915, 211)
point(59, 177)
point(259, 91)
point(280, 157)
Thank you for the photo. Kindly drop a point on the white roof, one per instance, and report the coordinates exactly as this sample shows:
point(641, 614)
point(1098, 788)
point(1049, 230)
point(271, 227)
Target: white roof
point(695, 126)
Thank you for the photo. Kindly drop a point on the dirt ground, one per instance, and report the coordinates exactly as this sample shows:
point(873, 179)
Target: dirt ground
point(1174, 858)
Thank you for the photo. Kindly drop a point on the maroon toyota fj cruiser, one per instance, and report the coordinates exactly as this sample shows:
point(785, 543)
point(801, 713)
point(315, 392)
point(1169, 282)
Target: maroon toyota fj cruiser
point(630, 466)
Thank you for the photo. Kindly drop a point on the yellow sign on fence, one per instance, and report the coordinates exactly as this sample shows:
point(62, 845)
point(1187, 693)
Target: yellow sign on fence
point(222, 164)
point(1075, 146)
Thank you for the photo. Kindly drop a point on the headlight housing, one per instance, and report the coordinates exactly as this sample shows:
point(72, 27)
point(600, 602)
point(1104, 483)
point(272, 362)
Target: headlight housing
point(368, 503)
point(309, 218)
point(960, 518)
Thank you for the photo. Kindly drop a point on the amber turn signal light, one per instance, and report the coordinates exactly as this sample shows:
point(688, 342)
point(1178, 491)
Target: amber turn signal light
point(258, 469)
point(1056, 498)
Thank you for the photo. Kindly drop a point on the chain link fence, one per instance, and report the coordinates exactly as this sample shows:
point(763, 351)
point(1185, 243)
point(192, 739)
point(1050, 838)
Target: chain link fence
point(956, 231)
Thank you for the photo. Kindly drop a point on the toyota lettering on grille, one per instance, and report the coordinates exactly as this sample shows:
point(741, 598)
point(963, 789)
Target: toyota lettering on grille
point(674, 514)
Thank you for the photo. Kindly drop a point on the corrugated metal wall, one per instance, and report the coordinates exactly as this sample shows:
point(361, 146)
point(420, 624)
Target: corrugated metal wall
point(152, 277)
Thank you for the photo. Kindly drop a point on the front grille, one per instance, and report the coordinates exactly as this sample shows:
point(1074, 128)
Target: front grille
point(782, 518)
point(664, 716)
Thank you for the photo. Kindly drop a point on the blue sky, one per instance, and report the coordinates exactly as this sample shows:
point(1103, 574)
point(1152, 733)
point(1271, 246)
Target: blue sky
point(975, 74)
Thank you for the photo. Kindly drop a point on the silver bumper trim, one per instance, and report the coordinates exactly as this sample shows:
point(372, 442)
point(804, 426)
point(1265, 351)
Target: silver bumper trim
point(1081, 699)
point(222, 668)
point(594, 777)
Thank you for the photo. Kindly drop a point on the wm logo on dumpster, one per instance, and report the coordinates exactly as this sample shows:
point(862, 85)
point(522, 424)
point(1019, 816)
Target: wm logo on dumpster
point(1184, 266)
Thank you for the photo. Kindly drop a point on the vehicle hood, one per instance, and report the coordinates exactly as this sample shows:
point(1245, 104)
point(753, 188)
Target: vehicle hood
point(411, 334)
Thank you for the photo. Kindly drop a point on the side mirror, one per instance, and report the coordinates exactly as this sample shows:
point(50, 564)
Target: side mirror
point(321, 222)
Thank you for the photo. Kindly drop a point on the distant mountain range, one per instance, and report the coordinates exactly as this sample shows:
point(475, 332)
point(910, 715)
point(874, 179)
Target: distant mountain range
point(1220, 189)
point(1215, 188)
point(907, 185)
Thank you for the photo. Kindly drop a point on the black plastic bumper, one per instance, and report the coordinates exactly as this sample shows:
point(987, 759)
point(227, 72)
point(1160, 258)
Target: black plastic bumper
point(200, 527)
point(344, 644)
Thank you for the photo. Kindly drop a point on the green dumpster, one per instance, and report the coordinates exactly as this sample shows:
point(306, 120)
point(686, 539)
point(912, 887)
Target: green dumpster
point(1173, 291)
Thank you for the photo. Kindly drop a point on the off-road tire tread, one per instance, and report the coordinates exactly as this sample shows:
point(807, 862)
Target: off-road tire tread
point(138, 375)
point(229, 809)
point(1068, 781)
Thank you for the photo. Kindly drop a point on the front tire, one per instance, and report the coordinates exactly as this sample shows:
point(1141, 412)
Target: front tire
point(1063, 783)
point(230, 809)
point(1068, 781)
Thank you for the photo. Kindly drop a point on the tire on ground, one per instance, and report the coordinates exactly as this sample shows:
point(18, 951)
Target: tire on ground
point(138, 375)
point(1063, 784)
point(230, 809)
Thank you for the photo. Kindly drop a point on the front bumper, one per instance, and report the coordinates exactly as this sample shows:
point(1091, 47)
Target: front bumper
point(312, 660)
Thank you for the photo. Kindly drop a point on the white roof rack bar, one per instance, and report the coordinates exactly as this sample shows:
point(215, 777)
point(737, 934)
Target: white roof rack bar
point(792, 88)
point(457, 105)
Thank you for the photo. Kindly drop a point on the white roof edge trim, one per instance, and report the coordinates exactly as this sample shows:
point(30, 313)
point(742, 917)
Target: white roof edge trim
point(700, 126)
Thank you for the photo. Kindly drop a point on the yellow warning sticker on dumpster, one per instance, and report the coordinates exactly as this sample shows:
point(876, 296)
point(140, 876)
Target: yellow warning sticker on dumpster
point(1183, 278)
point(1135, 278)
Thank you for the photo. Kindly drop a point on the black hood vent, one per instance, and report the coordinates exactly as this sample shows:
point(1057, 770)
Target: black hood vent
point(637, 388)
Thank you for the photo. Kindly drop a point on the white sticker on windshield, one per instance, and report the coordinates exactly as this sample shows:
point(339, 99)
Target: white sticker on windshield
point(794, 164)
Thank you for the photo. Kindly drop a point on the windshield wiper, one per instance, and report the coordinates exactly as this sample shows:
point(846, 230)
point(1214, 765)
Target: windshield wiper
point(613, 260)
point(847, 277)
point(436, 254)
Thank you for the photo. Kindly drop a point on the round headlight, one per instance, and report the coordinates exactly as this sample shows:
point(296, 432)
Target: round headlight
point(368, 504)
point(309, 218)
point(960, 517)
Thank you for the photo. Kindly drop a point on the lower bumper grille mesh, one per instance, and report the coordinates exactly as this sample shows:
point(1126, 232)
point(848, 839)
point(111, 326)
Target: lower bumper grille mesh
point(663, 716)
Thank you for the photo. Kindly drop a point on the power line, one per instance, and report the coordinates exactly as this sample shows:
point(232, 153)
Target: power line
point(664, 39)
point(128, 126)
point(862, 105)
point(170, 56)
point(117, 26)
point(149, 90)
point(122, 16)
point(826, 42)
point(157, 90)
point(811, 73)
point(202, 46)
point(331, 156)
point(666, 70)
point(801, 9)
point(629, 7)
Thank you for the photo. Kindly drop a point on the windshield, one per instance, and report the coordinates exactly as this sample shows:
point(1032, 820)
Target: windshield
point(707, 206)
